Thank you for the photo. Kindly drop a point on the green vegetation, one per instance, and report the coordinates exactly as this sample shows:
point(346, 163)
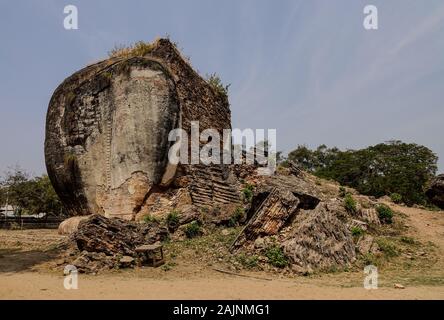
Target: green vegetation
point(149, 218)
point(193, 229)
point(247, 191)
point(168, 266)
point(139, 49)
point(385, 214)
point(388, 247)
point(357, 231)
point(29, 195)
point(383, 169)
point(408, 240)
point(216, 83)
point(350, 203)
point(342, 192)
point(173, 219)
point(248, 262)
point(396, 197)
point(276, 256)
point(236, 217)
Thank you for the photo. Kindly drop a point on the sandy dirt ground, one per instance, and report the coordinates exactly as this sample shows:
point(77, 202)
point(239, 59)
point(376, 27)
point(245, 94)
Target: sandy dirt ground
point(44, 286)
point(24, 253)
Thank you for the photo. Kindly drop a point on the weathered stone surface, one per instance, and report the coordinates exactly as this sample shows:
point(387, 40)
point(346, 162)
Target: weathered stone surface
point(436, 191)
point(367, 245)
point(305, 191)
point(107, 128)
point(107, 135)
point(213, 185)
point(320, 240)
point(274, 211)
point(369, 215)
point(70, 225)
point(116, 236)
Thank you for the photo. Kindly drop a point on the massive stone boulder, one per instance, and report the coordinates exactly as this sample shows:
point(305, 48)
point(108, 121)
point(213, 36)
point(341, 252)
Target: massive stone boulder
point(436, 191)
point(107, 127)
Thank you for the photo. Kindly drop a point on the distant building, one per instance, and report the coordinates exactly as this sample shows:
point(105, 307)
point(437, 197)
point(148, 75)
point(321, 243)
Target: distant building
point(7, 211)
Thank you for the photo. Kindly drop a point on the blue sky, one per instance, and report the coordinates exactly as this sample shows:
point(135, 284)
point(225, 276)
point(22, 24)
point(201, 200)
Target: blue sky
point(307, 68)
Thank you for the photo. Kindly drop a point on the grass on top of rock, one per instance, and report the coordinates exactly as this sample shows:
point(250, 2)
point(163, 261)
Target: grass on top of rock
point(216, 83)
point(138, 49)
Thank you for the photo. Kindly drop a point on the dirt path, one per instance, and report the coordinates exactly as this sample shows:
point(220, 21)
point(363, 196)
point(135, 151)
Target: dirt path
point(424, 225)
point(44, 286)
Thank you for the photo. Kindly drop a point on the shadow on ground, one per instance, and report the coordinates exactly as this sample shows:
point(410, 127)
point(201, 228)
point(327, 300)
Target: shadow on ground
point(16, 260)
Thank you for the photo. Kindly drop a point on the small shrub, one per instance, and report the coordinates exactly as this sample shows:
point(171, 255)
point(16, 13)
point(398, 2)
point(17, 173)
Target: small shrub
point(173, 219)
point(248, 192)
point(342, 192)
point(357, 231)
point(149, 218)
point(350, 203)
point(236, 217)
point(216, 83)
point(385, 214)
point(276, 256)
point(193, 229)
point(396, 198)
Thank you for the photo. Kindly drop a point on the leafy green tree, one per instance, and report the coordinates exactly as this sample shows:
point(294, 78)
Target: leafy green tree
point(30, 195)
point(383, 169)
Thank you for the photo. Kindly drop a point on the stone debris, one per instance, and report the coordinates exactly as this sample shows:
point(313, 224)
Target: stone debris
point(105, 243)
point(369, 215)
point(358, 224)
point(69, 226)
point(398, 286)
point(116, 236)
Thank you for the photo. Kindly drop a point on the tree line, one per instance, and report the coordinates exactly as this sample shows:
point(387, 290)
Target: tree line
point(393, 168)
point(29, 195)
